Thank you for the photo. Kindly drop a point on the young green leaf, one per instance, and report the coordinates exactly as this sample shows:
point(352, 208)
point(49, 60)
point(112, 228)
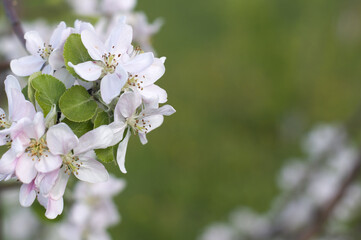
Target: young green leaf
point(102, 118)
point(75, 52)
point(48, 90)
point(105, 155)
point(79, 128)
point(77, 105)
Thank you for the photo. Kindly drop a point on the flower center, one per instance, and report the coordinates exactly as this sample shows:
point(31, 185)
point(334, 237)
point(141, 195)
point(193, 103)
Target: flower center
point(71, 163)
point(37, 148)
point(4, 122)
point(138, 124)
point(110, 61)
point(134, 81)
point(45, 51)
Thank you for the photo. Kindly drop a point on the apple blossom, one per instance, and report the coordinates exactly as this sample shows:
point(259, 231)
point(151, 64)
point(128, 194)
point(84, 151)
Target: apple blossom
point(113, 60)
point(45, 57)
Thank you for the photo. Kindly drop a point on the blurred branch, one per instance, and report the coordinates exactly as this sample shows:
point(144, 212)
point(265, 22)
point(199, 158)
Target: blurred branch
point(7, 186)
point(322, 214)
point(4, 66)
point(9, 6)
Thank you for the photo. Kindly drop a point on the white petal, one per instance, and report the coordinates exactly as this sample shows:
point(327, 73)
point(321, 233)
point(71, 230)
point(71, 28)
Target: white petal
point(122, 149)
point(154, 72)
point(120, 38)
point(118, 131)
point(64, 76)
point(93, 44)
point(8, 162)
point(33, 42)
point(26, 66)
point(57, 36)
point(48, 162)
point(4, 133)
point(111, 86)
point(153, 121)
point(154, 92)
point(61, 139)
point(27, 194)
point(165, 110)
point(143, 138)
point(56, 59)
point(48, 69)
point(100, 137)
point(58, 189)
point(139, 63)
point(126, 106)
point(89, 71)
point(25, 168)
point(91, 171)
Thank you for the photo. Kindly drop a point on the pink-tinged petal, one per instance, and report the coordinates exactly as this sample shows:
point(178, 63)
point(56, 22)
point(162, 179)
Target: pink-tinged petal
point(97, 138)
point(154, 92)
point(126, 106)
point(111, 86)
point(91, 170)
point(139, 63)
point(153, 73)
point(26, 66)
point(54, 208)
point(58, 189)
point(27, 194)
point(4, 136)
point(61, 139)
point(48, 162)
point(56, 38)
point(120, 38)
point(93, 44)
point(25, 168)
point(122, 149)
point(46, 181)
point(89, 71)
point(8, 162)
point(118, 131)
point(21, 108)
point(34, 42)
point(18, 146)
point(21, 131)
point(11, 82)
point(56, 59)
point(39, 125)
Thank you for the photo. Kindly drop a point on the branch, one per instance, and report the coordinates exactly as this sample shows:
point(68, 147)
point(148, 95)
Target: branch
point(6, 186)
point(4, 66)
point(9, 6)
point(323, 214)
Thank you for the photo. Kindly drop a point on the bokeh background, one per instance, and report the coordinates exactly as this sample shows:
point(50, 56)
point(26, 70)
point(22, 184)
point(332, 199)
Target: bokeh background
point(248, 79)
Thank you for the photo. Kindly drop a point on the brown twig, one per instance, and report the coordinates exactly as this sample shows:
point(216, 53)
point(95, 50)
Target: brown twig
point(7, 186)
point(4, 66)
point(9, 6)
point(323, 214)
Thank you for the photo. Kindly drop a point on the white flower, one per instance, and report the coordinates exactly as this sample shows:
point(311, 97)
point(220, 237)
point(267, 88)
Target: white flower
point(29, 151)
point(45, 57)
point(143, 82)
point(113, 60)
point(128, 114)
point(116, 6)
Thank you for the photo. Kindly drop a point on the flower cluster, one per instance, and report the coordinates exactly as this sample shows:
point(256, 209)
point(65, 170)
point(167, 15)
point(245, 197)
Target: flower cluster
point(86, 94)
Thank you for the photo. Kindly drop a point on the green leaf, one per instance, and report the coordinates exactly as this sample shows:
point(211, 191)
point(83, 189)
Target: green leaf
point(79, 128)
point(25, 92)
point(77, 105)
point(48, 90)
point(30, 89)
point(102, 118)
point(106, 155)
point(75, 52)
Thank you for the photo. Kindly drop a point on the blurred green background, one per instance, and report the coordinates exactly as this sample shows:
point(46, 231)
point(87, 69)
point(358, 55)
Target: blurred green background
point(248, 78)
